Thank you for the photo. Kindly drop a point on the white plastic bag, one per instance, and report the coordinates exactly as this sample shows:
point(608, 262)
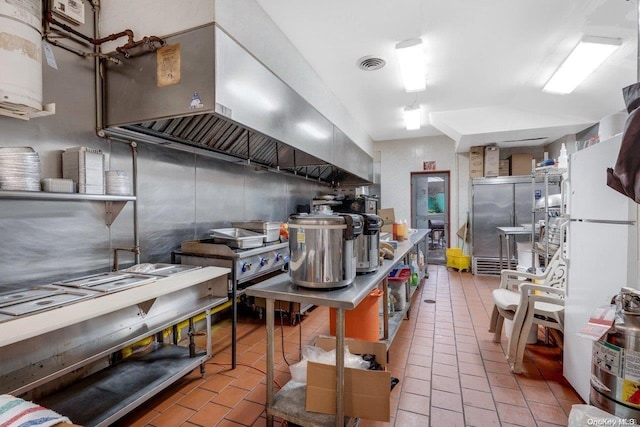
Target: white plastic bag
point(316, 354)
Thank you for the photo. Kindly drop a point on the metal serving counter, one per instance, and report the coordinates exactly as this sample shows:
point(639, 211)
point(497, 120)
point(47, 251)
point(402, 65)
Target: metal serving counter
point(72, 349)
point(347, 298)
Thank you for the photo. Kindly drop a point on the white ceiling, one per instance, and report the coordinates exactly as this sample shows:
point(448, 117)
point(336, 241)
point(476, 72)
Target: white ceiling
point(486, 61)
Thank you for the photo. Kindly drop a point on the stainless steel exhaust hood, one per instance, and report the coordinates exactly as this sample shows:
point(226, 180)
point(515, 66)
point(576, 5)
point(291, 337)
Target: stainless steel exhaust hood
point(204, 92)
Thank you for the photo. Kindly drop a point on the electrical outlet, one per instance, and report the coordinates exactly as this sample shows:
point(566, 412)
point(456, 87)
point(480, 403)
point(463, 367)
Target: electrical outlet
point(71, 10)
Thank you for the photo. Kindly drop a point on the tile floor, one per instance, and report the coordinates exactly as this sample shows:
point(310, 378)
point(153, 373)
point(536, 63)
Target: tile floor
point(450, 371)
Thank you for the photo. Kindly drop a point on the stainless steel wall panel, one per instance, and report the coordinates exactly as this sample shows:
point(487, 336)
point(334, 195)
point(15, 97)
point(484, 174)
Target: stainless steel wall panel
point(265, 199)
point(166, 203)
point(220, 191)
point(48, 239)
point(121, 230)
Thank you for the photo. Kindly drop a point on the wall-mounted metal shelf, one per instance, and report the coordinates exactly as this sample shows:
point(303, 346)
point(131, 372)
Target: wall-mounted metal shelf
point(113, 204)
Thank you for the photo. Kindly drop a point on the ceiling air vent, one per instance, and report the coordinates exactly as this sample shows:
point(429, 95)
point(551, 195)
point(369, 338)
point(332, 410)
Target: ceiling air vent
point(371, 63)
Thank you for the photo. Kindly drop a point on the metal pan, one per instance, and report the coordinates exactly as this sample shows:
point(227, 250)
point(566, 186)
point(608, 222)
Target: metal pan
point(237, 238)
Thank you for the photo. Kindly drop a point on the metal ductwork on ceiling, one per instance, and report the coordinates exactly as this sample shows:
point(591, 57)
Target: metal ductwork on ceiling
point(203, 92)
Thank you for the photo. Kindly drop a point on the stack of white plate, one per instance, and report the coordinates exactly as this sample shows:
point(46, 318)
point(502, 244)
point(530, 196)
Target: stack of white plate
point(19, 169)
point(117, 183)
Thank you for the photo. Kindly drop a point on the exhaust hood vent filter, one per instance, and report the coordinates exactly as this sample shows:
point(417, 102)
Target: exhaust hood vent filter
point(371, 63)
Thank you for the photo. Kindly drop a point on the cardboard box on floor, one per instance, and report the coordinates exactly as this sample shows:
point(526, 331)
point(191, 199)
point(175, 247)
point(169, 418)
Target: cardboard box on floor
point(366, 393)
point(388, 217)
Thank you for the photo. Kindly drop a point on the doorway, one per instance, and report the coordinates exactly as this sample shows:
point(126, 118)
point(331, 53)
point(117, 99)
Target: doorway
point(430, 209)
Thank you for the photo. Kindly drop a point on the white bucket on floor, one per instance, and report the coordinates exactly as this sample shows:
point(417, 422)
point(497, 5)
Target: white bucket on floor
point(532, 338)
point(525, 255)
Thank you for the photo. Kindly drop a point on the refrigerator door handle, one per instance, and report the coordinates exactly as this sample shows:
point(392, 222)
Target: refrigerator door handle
point(565, 195)
point(603, 221)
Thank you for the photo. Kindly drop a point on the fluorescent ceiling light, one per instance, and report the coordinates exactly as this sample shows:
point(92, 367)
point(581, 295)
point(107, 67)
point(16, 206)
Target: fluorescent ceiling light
point(412, 118)
point(411, 58)
point(585, 58)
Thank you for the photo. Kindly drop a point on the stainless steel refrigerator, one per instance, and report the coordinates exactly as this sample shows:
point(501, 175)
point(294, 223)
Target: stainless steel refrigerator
point(499, 202)
point(603, 251)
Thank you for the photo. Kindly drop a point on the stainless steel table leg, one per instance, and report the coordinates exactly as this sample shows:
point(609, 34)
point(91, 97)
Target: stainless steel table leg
point(270, 307)
point(385, 308)
point(192, 340)
point(500, 239)
point(407, 291)
point(506, 238)
point(234, 321)
point(203, 366)
point(339, 367)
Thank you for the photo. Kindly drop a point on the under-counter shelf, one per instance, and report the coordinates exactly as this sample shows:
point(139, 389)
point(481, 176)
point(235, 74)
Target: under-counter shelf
point(113, 204)
point(289, 404)
point(75, 340)
point(394, 322)
point(102, 398)
point(97, 348)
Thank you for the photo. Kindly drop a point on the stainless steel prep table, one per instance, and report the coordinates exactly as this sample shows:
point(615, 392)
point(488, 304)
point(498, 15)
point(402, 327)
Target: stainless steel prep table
point(507, 232)
point(287, 404)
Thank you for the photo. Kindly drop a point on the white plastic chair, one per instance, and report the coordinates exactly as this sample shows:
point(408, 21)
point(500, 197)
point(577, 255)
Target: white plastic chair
point(527, 299)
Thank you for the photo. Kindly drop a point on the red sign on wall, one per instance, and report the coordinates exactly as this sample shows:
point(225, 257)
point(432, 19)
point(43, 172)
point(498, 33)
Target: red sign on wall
point(429, 165)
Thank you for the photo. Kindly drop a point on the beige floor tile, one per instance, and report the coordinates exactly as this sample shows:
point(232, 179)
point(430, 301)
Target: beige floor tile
point(414, 403)
point(445, 400)
point(548, 413)
point(445, 418)
point(479, 417)
point(197, 398)
point(478, 399)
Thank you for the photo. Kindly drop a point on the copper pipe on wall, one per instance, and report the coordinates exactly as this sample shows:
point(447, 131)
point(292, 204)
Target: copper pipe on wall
point(130, 44)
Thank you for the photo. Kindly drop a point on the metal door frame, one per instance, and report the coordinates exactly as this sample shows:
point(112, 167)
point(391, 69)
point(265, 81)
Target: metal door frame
point(447, 174)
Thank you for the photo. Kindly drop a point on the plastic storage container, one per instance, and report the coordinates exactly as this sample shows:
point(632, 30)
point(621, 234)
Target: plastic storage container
point(456, 259)
point(363, 322)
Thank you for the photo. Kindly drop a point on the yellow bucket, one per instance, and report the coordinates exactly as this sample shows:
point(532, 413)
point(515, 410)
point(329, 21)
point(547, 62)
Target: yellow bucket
point(456, 259)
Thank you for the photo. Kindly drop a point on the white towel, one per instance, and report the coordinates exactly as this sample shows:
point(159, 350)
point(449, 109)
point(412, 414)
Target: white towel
point(15, 412)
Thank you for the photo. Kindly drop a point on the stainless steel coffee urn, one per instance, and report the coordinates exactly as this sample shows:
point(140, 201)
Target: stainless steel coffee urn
point(368, 244)
point(615, 363)
point(322, 249)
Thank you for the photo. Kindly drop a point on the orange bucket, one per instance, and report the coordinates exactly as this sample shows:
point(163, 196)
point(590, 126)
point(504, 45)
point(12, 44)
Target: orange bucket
point(363, 322)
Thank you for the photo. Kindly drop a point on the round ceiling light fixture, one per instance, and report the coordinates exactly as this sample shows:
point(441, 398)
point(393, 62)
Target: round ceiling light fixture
point(370, 63)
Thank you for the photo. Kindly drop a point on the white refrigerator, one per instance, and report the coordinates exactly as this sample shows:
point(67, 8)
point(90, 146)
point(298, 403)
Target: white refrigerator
point(602, 250)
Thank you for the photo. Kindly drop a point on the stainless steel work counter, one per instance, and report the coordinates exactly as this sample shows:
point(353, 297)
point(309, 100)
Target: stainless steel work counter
point(281, 288)
point(71, 346)
point(347, 298)
point(507, 232)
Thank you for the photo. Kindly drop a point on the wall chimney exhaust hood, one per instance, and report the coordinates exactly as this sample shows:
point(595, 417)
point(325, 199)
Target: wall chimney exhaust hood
point(203, 92)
